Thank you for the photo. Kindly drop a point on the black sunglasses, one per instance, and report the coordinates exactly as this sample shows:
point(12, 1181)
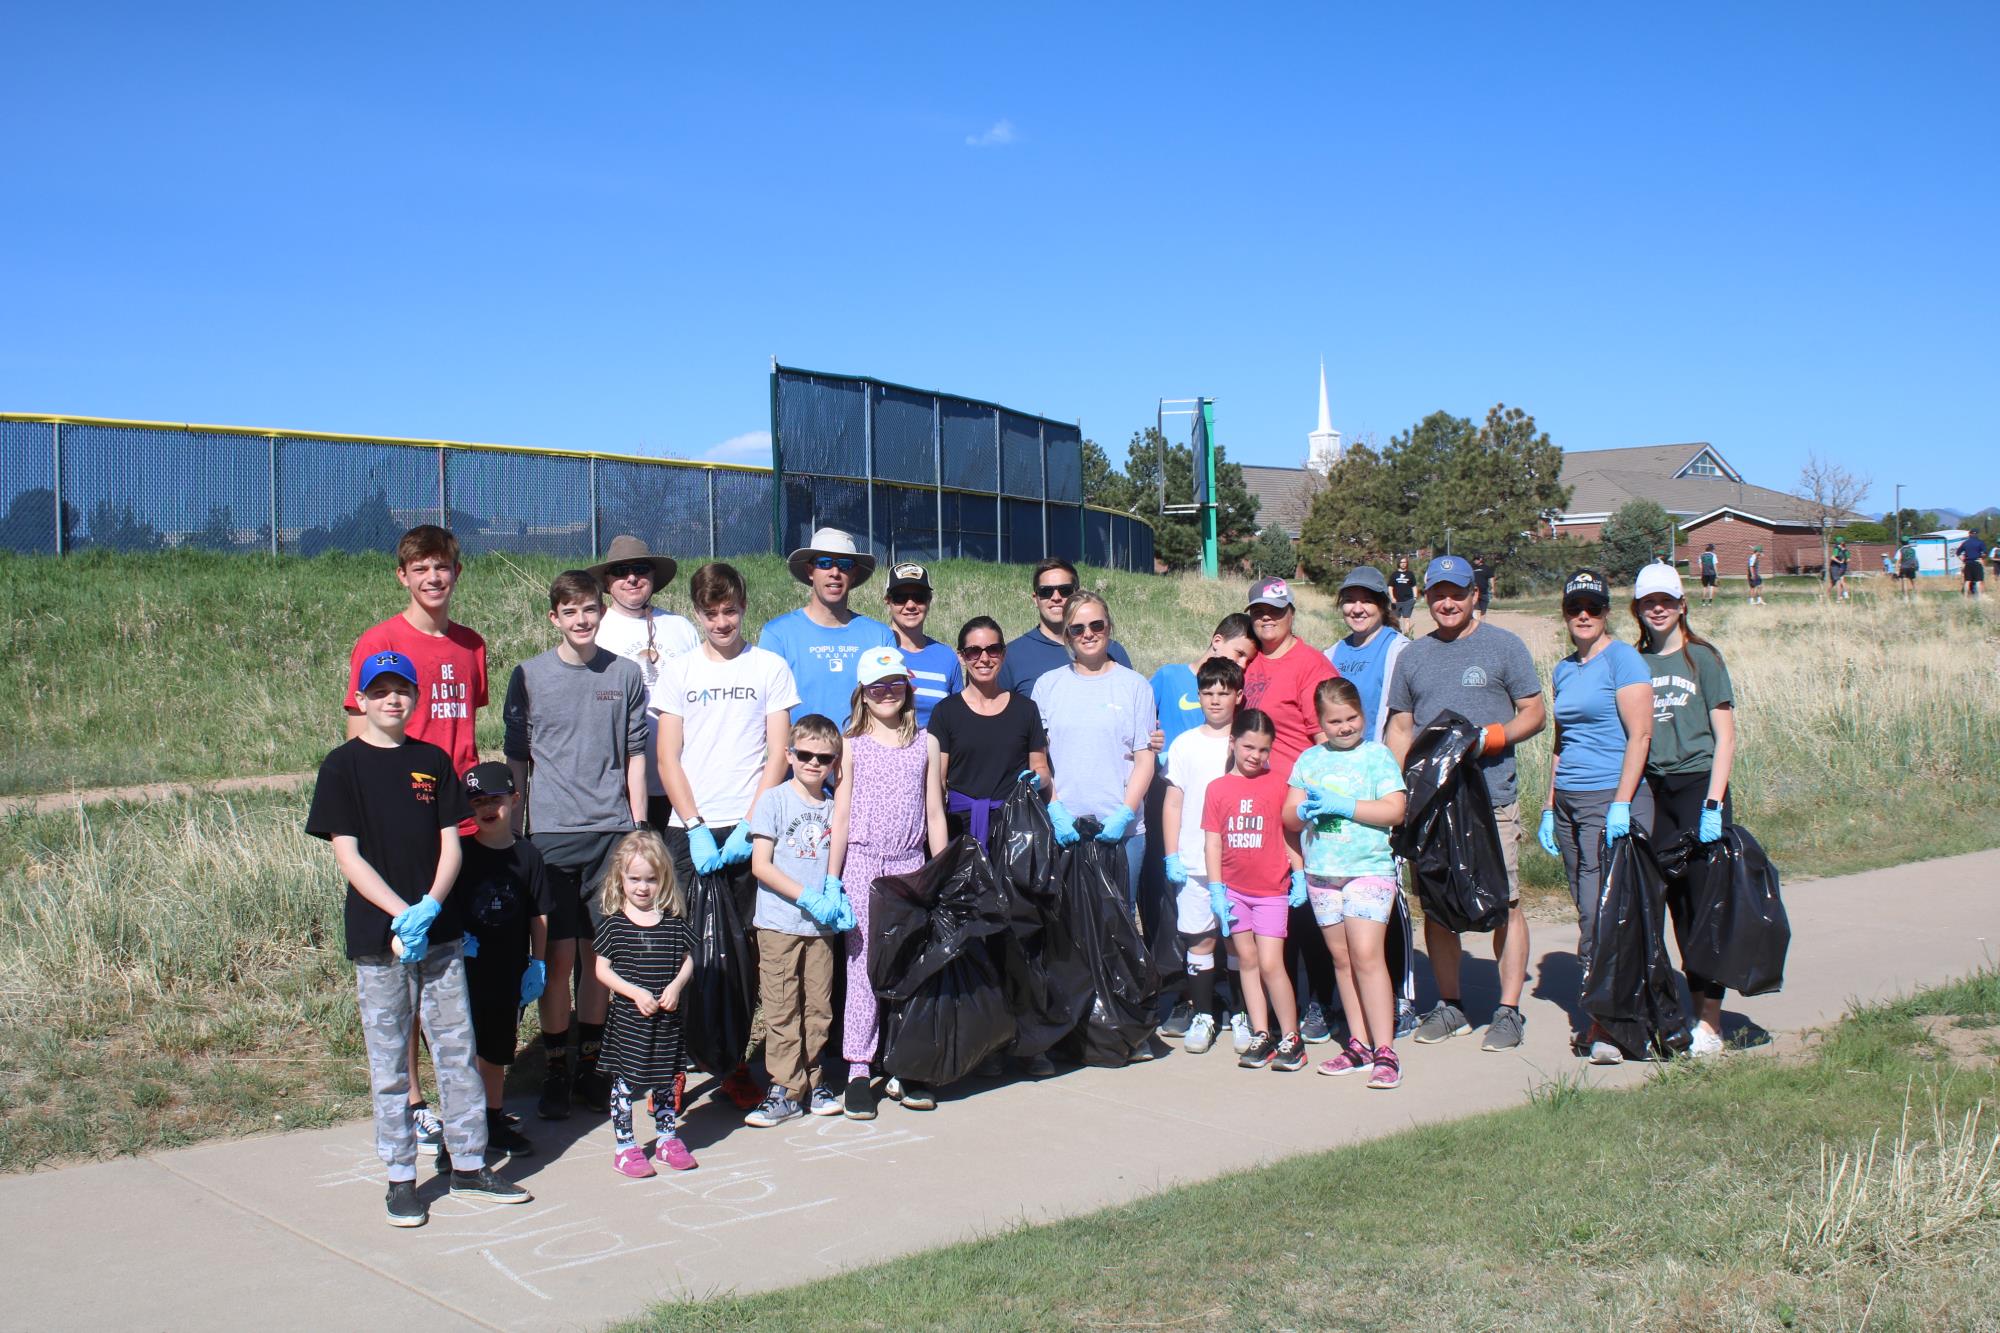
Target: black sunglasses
point(1589, 606)
point(617, 572)
point(1048, 590)
point(996, 651)
point(843, 563)
point(917, 595)
point(1077, 628)
point(813, 757)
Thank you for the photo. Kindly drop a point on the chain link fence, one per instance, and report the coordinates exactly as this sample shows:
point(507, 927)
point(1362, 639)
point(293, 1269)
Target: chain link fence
point(917, 475)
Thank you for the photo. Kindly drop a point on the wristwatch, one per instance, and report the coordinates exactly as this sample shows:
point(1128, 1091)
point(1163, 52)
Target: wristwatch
point(1711, 805)
point(696, 822)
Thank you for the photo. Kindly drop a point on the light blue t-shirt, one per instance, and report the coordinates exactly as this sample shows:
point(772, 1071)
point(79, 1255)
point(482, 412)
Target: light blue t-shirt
point(822, 659)
point(935, 675)
point(1368, 668)
point(1176, 700)
point(1095, 725)
point(1341, 848)
point(1593, 736)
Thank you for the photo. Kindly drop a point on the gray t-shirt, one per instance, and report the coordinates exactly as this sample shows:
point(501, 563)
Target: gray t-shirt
point(1095, 725)
point(800, 832)
point(1478, 675)
point(578, 725)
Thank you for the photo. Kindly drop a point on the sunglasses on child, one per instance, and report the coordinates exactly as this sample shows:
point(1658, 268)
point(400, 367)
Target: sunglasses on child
point(843, 563)
point(1077, 629)
point(886, 689)
point(813, 757)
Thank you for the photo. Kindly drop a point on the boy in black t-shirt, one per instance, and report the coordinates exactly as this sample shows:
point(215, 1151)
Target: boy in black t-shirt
point(391, 807)
point(503, 893)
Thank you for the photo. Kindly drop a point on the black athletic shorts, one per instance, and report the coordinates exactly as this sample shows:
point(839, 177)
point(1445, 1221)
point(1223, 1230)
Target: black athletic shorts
point(1708, 580)
point(493, 991)
point(575, 864)
point(1975, 572)
point(1837, 571)
point(1909, 574)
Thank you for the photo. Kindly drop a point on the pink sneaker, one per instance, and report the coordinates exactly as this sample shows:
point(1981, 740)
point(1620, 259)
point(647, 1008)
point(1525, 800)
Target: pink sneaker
point(1388, 1074)
point(631, 1163)
point(1353, 1059)
point(674, 1155)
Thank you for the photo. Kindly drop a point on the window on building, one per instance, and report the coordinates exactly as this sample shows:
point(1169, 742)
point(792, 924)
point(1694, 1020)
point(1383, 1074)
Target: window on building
point(1705, 466)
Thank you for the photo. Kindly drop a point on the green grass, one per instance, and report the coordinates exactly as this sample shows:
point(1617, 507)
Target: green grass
point(1687, 1204)
point(190, 665)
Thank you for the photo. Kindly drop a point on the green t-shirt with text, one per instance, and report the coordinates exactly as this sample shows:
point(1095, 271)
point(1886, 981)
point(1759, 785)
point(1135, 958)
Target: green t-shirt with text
point(1686, 686)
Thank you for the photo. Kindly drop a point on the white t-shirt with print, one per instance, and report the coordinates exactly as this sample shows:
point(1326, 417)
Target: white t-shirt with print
point(722, 707)
point(1195, 759)
point(626, 636)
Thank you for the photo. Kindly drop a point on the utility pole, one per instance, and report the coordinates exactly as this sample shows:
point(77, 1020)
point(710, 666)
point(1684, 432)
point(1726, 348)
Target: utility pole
point(1899, 520)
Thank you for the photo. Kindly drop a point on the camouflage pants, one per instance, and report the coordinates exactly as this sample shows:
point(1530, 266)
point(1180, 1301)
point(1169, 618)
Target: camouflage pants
point(392, 993)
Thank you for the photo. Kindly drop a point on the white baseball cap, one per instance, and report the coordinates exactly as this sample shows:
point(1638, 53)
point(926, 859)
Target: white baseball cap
point(1658, 577)
point(880, 664)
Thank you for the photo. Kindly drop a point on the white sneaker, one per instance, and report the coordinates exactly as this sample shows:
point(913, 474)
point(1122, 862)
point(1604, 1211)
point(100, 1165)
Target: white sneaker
point(1604, 1053)
point(1239, 1031)
point(1200, 1034)
point(1706, 1041)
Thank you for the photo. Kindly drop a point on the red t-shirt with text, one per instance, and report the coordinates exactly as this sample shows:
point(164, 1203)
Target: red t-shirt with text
point(451, 682)
point(1249, 813)
point(1283, 687)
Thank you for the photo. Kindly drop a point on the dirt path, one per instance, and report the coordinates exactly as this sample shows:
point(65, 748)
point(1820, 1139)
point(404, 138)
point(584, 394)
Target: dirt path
point(47, 803)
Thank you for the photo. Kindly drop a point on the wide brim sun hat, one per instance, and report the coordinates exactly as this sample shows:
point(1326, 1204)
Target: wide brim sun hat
point(830, 541)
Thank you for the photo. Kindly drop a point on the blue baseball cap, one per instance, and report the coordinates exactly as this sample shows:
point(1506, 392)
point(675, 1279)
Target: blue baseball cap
point(385, 664)
point(1448, 569)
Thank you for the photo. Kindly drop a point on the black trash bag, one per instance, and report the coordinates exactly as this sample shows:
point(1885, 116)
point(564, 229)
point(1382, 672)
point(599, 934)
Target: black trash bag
point(722, 993)
point(1043, 976)
point(1629, 984)
point(1449, 835)
point(1124, 983)
point(943, 1010)
point(1738, 933)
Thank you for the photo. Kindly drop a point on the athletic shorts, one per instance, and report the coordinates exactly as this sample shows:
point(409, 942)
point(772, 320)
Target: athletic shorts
point(1263, 914)
point(1909, 574)
point(1404, 610)
point(1708, 580)
point(494, 992)
point(1193, 913)
point(576, 864)
point(1837, 571)
point(1363, 897)
point(1756, 581)
point(1508, 817)
point(1975, 572)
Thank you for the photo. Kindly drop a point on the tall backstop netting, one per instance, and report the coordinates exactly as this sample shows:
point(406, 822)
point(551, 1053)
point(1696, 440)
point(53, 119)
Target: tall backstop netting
point(69, 483)
point(920, 475)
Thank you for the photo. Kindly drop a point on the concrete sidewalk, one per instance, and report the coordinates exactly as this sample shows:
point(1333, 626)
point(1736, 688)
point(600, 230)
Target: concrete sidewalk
point(289, 1228)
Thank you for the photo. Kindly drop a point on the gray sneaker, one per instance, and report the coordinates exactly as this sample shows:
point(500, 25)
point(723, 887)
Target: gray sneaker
point(1313, 1026)
point(1442, 1023)
point(1503, 1033)
point(1177, 1022)
point(430, 1130)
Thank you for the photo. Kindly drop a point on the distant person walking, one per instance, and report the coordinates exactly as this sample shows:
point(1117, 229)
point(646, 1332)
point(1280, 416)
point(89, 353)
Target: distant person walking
point(1756, 572)
point(1836, 574)
point(1482, 576)
point(1906, 570)
point(1972, 551)
point(1403, 588)
point(1708, 573)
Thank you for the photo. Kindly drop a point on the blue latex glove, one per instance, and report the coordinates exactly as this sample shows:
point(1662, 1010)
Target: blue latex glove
point(414, 953)
point(1176, 870)
point(1297, 897)
point(413, 925)
point(821, 903)
point(843, 910)
point(1066, 834)
point(534, 981)
point(471, 945)
point(1320, 804)
point(737, 849)
point(1117, 825)
point(1618, 820)
point(1711, 826)
point(1031, 777)
point(1218, 900)
point(702, 850)
point(1546, 834)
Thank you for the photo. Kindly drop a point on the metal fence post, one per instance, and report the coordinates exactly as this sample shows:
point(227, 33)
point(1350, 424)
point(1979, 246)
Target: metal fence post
point(937, 461)
point(868, 457)
point(999, 493)
point(709, 472)
point(271, 472)
point(441, 498)
point(55, 485)
point(1042, 430)
point(595, 544)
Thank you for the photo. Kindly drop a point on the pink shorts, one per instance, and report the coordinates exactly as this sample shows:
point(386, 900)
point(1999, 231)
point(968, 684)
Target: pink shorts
point(1260, 913)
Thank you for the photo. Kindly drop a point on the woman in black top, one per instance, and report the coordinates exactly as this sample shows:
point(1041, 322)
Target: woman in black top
point(986, 735)
point(1403, 588)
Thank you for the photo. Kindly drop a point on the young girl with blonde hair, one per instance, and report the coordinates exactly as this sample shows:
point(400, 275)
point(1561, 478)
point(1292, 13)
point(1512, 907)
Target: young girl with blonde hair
point(645, 959)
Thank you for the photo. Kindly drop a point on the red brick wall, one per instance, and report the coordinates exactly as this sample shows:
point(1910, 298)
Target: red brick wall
point(1786, 550)
point(1582, 532)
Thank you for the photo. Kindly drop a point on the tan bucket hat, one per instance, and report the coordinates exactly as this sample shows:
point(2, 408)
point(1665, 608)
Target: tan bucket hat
point(831, 541)
point(629, 550)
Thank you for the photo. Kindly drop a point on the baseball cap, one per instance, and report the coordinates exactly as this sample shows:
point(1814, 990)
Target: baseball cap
point(491, 778)
point(385, 664)
point(879, 664)
point(1657, 578)
point(1448, 569)
point(1586, 583)
point(1366, 577)
point(1270, 592)
point(907, 575)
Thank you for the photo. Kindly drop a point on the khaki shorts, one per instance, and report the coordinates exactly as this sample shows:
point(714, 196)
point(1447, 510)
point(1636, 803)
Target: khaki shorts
point(1508, 817)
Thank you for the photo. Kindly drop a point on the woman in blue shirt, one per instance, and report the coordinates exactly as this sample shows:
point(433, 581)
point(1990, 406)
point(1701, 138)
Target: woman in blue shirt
point(1604, 733)
point(1374, 640)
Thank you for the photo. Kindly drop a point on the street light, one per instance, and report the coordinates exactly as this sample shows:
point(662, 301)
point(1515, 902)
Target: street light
point(1899, 519)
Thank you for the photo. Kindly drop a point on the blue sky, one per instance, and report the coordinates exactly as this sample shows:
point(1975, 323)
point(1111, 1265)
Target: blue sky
point(1767, 226)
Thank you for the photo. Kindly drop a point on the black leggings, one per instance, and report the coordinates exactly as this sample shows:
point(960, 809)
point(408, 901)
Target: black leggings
point(1677, 800)
point(1305, 944)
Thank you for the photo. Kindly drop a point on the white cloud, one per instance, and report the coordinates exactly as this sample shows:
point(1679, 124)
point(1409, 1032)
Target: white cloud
point(750, 447)
point(999, 134)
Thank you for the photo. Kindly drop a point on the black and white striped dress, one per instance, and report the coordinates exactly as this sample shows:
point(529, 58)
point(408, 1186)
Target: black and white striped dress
point(646, 1052)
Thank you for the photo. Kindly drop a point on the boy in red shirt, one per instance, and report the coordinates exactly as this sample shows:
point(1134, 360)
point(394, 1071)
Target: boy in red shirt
point(1256, 875)
point(450, 662)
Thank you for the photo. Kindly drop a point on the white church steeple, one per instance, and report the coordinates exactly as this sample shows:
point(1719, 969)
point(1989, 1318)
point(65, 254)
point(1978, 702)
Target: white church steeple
point(1323, 445)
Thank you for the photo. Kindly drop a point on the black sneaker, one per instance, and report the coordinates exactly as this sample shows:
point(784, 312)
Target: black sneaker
point(483, 1184)
point(555, 1100)
point(503, 1140)
point(1177, 1022)
point(1290, 1053)
point(859, 1101)
point(1259, 1053)
point(593, 1091)
point(917, 1097)
point(405, 1208)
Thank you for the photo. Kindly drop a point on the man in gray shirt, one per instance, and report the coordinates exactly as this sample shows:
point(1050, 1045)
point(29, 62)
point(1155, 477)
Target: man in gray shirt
point(576, 743)
point(1484, 674)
